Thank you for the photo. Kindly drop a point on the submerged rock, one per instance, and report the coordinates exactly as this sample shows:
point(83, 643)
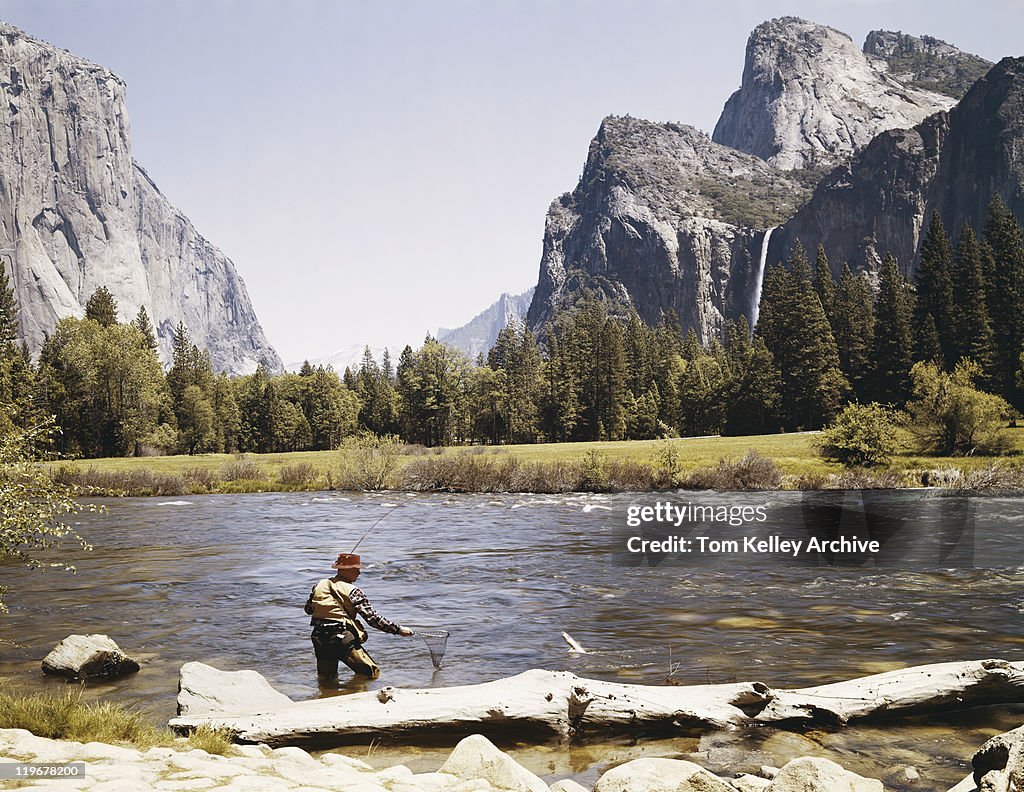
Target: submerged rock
point(80, 656)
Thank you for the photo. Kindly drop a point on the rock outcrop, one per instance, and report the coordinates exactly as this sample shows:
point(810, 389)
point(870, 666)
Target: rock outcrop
point(810, 98)
point(951, 163)
point(76, 213)
point(926, 62)
point(82, 656)
point(663, 219)
point(478, 335)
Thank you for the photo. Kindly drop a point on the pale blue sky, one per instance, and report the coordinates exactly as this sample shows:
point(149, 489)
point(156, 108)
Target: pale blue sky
point(376, 169)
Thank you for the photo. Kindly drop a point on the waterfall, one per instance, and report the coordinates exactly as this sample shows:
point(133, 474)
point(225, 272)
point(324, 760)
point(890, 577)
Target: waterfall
point(755, 303)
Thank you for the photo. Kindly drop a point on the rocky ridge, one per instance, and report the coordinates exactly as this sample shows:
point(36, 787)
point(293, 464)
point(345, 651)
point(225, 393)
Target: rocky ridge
point(926, 62)
point(952, 163)
point(810, 98)
point(478, 335)
point(662, 220)
point(76, 213)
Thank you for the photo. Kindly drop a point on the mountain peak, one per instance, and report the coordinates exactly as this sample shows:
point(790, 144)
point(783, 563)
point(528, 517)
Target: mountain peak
point(810, 97)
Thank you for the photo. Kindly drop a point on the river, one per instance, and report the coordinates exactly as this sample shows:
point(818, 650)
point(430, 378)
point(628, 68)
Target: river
point(222, 579)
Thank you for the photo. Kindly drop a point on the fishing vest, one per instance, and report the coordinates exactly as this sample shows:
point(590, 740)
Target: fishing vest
point(331, 601)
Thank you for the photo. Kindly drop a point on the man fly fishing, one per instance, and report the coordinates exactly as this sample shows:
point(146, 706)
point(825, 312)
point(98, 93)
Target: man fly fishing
point(337, 634)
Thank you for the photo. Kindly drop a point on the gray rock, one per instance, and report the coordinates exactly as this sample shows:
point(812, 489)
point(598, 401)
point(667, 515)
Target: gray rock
point(661, 220)
point(926, 62)
point(204, 690)
point(814, 774)
point(80, 656)
point(952, 163)
point(477, 757)
point(653, 775)
point(809, 97)
point(999, 763)
point(79, 213)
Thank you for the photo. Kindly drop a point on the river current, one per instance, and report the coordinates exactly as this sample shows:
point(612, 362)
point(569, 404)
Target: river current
point(222, 579)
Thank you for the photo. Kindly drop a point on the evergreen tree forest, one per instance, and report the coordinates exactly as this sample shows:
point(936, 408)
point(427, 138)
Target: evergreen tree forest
point(821, 342)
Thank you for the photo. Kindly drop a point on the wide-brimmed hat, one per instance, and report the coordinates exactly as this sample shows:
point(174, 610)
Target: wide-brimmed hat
point(347, 561)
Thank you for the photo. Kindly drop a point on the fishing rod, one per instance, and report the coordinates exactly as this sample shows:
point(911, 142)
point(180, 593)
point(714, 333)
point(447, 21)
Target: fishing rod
point(352, 552)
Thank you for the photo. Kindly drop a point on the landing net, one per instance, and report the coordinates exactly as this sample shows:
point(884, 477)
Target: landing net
point(437, 643)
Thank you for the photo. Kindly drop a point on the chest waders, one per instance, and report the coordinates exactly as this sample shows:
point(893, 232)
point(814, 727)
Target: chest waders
point(342, 640)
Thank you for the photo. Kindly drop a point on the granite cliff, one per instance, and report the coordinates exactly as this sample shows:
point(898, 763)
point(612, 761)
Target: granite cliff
point(662, 219)
point(810, 98)
point(478, 335)
point(76, 213)
point(665, 218)
point(951, 163)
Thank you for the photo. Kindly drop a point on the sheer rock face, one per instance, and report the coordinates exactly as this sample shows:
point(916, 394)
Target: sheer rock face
point(662, 219)
point(76, 213)
point(951, 163)
point(810, 98)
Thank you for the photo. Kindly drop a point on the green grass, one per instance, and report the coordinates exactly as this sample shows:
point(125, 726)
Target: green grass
point(67, 717)
point(794, 454)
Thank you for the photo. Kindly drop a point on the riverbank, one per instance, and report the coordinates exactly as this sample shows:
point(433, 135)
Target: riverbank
point(760, 462)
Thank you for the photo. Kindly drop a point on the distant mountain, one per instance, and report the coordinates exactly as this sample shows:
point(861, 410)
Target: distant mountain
point(79, 213)
point(926, 62)
point(479, 334)
point(350, 356)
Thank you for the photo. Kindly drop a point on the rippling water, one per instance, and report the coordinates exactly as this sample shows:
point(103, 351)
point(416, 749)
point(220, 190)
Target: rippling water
point(222, 579)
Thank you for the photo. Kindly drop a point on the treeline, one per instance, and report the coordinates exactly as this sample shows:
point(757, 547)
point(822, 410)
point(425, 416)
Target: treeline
point(820, 343)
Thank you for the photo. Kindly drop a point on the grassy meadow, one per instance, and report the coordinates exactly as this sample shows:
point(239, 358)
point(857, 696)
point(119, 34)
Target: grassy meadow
point(787, 461)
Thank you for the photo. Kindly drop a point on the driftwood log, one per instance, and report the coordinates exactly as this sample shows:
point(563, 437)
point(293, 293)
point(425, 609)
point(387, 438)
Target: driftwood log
point(557, 703)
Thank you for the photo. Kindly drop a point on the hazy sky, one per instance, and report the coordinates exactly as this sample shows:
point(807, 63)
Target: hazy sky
point(378, 168)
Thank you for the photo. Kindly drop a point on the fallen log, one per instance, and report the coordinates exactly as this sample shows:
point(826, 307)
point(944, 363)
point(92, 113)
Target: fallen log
point(559, 704)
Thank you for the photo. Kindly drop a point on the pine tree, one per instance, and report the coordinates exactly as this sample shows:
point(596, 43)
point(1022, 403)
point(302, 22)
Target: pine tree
point(8, 310)
point(825, 284)
point(145, 327)
point(853, 323)
point(974, 337)
point(752, 386)
point(796, 331)
point(102, 307)
point(934, 282)
point(893, 336)
point(1005, 293)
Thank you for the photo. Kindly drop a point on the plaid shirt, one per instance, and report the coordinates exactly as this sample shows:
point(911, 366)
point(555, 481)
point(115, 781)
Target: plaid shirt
point(364, 609)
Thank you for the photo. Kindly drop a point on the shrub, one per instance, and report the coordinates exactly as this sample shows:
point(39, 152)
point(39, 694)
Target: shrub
point(120, 483)
point(298, 475)
point(750, 472)
point(949, 415)
point(241, 469)
point(203, 478)
point(369, 462)
point(862, 435)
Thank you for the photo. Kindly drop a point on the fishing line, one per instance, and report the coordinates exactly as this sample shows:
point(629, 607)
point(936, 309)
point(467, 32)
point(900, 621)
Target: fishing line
point(353, 550)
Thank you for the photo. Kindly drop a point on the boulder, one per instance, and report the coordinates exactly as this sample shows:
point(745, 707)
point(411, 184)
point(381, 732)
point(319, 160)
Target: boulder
point(567, 785)
point(999, 763)
point(647, 775)
point(476, 757)
point(205, 690)
point(750, 783)
point(814, 774)
point(80, 656)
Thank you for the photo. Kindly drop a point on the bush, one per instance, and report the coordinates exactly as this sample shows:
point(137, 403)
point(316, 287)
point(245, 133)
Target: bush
point(752, 471)
point(862, 435)
point(298, 475)
point(241, 469)
point(369, 462)
point(949, 415)
point(203, 478)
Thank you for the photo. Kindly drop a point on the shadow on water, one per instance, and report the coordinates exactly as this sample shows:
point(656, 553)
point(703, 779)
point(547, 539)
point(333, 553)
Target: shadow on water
point(222, 579)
